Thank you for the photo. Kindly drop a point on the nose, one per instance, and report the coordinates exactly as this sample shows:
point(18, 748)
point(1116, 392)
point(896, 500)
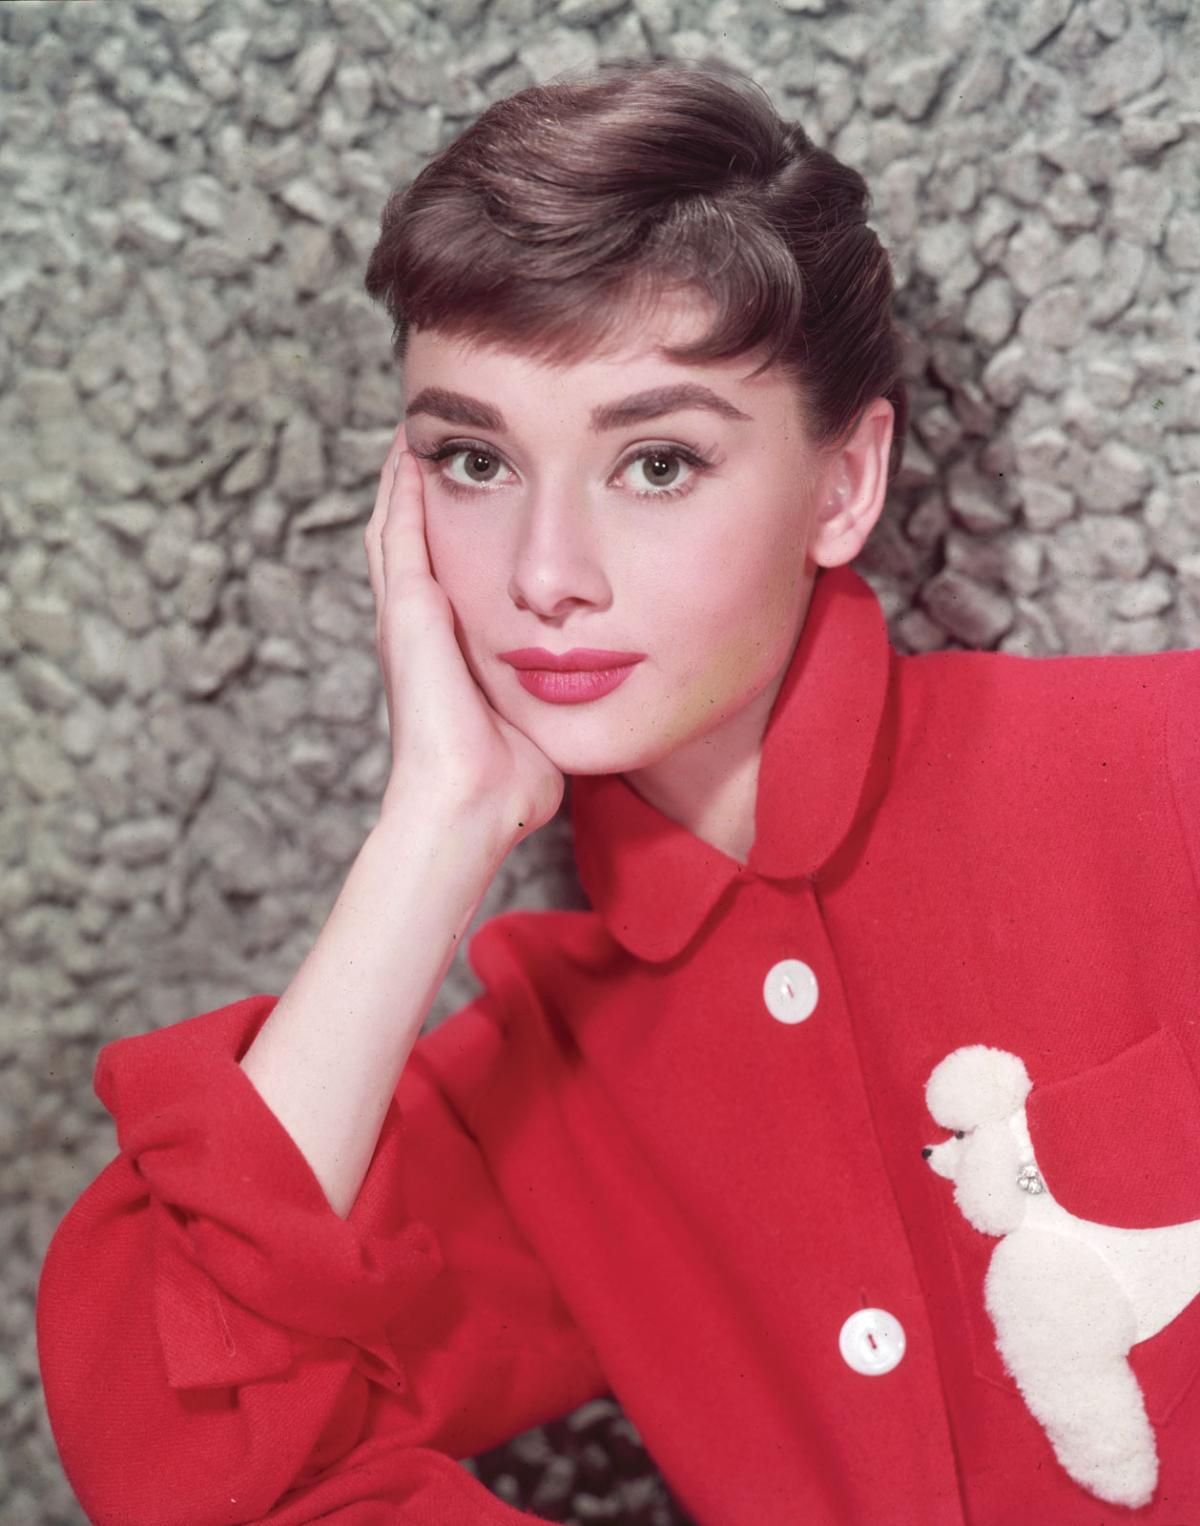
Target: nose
point(926, 1152)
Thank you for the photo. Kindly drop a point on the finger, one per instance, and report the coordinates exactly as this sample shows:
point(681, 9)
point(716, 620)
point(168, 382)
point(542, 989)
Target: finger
point(386, 474)
point(405, 555)
point(371, 534)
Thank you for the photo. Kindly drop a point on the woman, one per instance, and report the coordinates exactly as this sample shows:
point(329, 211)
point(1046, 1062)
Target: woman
point(840, 1138)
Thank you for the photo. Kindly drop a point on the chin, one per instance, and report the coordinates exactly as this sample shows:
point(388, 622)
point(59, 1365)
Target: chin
point(609, 754)
point(577, 761)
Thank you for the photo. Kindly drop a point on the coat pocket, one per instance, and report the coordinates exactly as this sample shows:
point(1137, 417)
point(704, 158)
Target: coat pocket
point(1117, 1144)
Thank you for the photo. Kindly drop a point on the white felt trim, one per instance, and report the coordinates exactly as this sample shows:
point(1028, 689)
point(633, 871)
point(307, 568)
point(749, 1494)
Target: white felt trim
point(1063, 1328)
point(1067, 1297)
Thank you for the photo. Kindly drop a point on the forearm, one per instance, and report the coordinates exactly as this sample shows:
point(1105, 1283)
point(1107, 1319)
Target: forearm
point(328, 1058)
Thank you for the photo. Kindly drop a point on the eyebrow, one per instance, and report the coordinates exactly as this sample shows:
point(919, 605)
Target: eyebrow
point(458, 408)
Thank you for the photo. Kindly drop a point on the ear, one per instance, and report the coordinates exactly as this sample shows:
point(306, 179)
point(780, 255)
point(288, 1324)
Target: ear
point(985, 1182)
point(851, 490)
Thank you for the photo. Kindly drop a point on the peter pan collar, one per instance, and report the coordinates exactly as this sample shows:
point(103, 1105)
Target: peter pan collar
point(653, 882)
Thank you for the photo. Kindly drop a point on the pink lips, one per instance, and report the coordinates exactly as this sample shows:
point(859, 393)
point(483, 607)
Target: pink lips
point(567, 688)
point(579, 659)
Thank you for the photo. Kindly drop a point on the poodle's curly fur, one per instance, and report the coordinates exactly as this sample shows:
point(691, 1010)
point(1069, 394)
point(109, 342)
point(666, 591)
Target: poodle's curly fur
point(1067, 1297)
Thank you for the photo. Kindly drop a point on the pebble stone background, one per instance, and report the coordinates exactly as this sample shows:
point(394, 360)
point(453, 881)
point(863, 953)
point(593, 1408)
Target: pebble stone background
point(195, 398)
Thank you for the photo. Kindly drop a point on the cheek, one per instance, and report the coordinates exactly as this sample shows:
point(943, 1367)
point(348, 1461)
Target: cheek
point(456, 560)
point(748, 608)
point(723, 648)
point(460, 573)
point(446, 547)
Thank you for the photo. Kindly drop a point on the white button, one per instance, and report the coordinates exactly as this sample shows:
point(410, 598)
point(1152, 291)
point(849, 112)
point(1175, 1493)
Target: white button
point(790, 990)
point(872, 1341)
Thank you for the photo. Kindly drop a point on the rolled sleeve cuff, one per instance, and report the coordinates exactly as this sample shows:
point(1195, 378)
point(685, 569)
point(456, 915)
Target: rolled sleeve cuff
point(252, 1266)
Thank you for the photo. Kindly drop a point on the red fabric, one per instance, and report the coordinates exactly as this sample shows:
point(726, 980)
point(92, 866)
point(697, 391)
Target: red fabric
point(215, 1341)
point(616, 1170)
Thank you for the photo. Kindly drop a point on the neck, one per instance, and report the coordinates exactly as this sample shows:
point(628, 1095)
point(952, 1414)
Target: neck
point(717, 809)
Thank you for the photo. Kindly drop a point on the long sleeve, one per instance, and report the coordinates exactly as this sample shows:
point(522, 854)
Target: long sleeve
point(217, 1345)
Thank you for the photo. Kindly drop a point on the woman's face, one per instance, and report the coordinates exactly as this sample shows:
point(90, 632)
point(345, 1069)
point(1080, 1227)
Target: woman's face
point(685, 536)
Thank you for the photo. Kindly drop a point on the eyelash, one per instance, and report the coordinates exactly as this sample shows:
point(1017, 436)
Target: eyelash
point(688, 453)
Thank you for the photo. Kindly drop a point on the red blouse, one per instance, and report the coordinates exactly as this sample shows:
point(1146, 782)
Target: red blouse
point(866, 1175)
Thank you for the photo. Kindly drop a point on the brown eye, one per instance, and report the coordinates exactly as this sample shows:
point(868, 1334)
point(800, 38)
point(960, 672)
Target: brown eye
point(659, 464)
point(476, 464)
point(661, 467)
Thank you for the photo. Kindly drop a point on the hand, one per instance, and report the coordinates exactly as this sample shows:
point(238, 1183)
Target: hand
point(448, 742)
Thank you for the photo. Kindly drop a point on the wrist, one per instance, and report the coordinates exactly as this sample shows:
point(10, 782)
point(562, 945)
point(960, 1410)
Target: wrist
point(411, 820)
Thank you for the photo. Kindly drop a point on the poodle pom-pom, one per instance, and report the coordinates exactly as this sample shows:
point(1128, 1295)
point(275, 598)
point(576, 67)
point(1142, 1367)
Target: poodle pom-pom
point(976, 1084)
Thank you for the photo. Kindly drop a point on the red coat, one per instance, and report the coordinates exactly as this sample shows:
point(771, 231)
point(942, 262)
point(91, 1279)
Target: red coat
point(697, 1147)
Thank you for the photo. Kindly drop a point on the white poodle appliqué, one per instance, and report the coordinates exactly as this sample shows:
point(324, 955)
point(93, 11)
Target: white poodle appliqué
point(1068, 1297)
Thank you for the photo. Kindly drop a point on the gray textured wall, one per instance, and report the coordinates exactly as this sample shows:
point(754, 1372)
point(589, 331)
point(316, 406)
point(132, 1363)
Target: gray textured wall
point(195, 398)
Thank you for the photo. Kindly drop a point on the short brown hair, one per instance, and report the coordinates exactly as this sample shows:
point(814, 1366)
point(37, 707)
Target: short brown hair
point(566, 208)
